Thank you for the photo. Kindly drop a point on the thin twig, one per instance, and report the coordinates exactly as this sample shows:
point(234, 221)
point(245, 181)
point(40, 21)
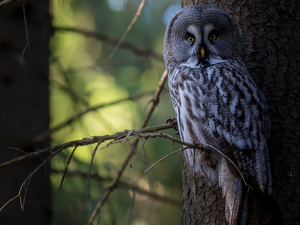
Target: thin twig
point(121, 139)
point(199, 146)
point(26, 181)
point(130, 154)
point(166, 156)
point(46, 134)
point(22, 185)
point(137, 14)
point(73, 94)
point(23, 204)
point(149, 164)
point(156, 96)
point(110, 187)
point(138, 152)
point(90, 168)
point(124, 142)
point(246, 184)
point(5, 3)
point(26, 30)
point(93, 34)
point(17, 149)
point(66, 169)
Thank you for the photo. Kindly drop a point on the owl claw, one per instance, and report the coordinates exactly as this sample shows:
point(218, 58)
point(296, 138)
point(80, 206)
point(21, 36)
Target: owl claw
point(173, 123)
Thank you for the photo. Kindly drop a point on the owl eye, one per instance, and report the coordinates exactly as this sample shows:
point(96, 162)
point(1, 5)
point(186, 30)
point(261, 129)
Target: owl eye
point(212, 37)
point(190, 39)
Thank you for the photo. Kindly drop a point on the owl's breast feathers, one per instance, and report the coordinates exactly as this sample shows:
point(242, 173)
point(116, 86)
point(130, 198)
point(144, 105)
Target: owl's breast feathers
point(221, 105)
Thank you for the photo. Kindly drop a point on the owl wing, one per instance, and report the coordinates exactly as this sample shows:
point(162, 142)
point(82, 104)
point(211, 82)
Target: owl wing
point(237, 116)
point(236, 113)
point(222, 106)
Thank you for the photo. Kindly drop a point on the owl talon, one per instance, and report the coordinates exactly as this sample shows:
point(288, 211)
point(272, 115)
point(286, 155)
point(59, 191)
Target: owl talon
point(173, 123)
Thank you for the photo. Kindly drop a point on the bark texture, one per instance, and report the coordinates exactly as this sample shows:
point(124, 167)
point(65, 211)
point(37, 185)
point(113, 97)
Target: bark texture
point(24, 109)
point(270, 33)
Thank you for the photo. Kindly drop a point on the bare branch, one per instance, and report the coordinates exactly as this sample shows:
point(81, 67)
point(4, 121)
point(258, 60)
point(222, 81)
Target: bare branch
point(22, 185)
point(149, 163)
point(125, 185)
point(5, 3)
point(68, 89)
point(137, 14)
point(140, 133)
point(200, 146)
point(90, 168)
point(66, 169)
point(46, 134)
point(138, 152)
point(93, 34)
point(231, 163)
point(155, 99)
point(26, 30)
point(17, 149)
point(172, 153)
point(22, 204)
point(82, 142)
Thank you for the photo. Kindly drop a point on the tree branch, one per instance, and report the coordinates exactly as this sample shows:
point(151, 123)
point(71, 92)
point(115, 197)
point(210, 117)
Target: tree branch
point(137, 14)
point(125, 185)
point(155, 99)
point(139, 133)
point(66, 169)
point(83, 142)
point(92, 34)
point(46, 134)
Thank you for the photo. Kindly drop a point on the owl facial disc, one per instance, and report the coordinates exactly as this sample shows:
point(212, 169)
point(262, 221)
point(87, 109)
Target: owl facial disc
point(203, 53)
point(199, 37)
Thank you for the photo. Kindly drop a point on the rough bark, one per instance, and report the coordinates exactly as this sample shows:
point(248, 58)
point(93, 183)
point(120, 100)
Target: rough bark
point(270, 32)
point(24, 109)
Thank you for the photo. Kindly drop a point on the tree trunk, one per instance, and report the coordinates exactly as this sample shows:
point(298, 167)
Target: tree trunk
point(24, 97)
point(270, 35)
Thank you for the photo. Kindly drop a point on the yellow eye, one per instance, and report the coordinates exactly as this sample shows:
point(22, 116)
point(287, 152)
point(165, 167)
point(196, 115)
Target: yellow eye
point(212, 37)
point(190, 39)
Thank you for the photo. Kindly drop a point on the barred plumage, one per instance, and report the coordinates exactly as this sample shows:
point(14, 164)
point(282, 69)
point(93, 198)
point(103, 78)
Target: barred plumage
point(216, 102)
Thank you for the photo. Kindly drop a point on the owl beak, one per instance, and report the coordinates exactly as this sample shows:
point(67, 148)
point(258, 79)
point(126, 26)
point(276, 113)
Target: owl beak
point(202, 52)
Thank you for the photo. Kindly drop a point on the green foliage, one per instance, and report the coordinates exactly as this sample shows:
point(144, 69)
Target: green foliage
point(82, 77)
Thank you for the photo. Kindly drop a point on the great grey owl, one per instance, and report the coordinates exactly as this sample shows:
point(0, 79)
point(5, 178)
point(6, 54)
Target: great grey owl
point(216, 102)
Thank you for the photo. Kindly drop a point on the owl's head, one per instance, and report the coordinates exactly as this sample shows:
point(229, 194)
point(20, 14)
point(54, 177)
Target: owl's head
point(199, 36)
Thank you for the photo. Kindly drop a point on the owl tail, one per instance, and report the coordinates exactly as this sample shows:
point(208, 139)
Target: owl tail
point(237, 199)
point(242, 204)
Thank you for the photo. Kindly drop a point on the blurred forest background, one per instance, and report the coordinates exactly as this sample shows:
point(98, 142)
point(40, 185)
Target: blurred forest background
point(82, 75)
point(62, 80)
